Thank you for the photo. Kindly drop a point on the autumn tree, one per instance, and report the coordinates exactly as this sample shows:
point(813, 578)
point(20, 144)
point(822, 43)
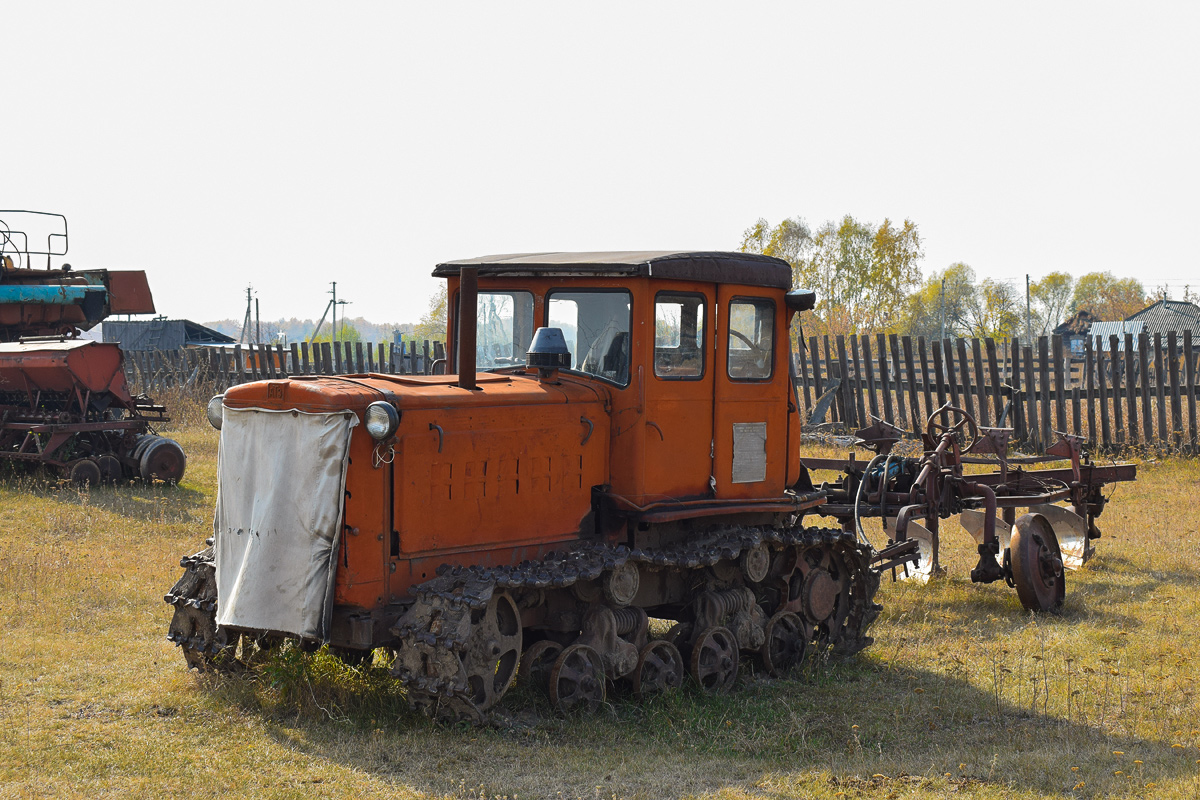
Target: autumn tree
point(947, 296)
point(1107, 297)
point(433, 324)
point(346, 333)
point(1050, 301)
point(996, 311)
point(861, 272)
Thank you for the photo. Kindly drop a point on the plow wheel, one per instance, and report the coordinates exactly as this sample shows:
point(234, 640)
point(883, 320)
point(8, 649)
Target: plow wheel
point(490, 659)
point(786, 643)
point(714, 661)
point(85, 472)
point(659, 669)
point(577, 679)
point(1037, 564)
point(537, 662)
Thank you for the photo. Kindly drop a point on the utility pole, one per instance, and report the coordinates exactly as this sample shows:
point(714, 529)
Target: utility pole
point(1028, 313)
point(331, 306)
point(257, 324)
point(246, 330)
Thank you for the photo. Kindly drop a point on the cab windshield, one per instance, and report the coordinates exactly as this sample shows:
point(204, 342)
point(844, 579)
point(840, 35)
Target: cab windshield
point(596, 325)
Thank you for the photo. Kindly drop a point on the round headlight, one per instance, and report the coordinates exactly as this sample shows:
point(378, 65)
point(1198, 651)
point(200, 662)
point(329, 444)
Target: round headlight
point(215, 414)
point(382, 420)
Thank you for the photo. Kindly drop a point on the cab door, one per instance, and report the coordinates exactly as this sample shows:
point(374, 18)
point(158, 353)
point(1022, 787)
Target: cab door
point(750, 413)
point(679, 393)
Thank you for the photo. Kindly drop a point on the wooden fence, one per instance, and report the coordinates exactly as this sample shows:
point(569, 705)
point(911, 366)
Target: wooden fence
point(219, 368)
point(1121, 392)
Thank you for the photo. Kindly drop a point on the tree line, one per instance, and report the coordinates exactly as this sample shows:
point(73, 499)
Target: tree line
point(868, 280)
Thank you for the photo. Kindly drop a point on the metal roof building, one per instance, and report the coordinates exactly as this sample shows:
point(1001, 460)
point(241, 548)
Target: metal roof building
point(162, 334)
point(1169, 315)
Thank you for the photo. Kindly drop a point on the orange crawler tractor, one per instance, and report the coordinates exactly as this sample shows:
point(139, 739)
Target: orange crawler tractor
point(618, 454)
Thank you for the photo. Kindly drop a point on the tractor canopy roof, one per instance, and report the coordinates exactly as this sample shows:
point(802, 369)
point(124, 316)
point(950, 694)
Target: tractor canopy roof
point(717, 267)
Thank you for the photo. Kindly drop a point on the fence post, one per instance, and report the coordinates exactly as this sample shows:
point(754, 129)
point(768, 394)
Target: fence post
point(1144, 368)
point(1189, 370)
point(1020, 424)
point(1060, 387)
point(898, 374)
point(1089, 379)
point(964, 371)
point(860, 407)
point(849, 411)
point(1159, 390)
point(925, 383)
point(914, 404)
point(872, 400)
point(802, 363)
point(984, 418)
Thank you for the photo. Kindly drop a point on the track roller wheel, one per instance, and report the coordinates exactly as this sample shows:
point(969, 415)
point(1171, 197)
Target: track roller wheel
point(577, 679)
point(537, 662)
point(85, 472)
point(714, 659)
point(1037, 564)
point(786, 643)
point(659, 669)
point(162, 460)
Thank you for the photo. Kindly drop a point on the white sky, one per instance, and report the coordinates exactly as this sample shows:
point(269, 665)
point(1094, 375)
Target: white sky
point(289, 144)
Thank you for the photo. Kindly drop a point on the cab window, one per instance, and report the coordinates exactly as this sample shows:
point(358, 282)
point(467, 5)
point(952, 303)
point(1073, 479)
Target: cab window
point(505, 329)
point(679, 336)
point(751, 338)
point(596, 325)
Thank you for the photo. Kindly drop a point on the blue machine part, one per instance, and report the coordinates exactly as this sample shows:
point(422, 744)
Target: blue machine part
point(52, 295)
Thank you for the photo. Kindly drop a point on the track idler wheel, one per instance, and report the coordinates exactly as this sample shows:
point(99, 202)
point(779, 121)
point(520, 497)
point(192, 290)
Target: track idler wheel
point(537, 662)
point(492, 654)
point(1037, 564)
point(659, 669)
point(786, 643)
point(714, 659)
point(577, 679)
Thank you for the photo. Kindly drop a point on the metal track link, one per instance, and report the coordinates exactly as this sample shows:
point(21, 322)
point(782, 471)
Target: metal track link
point(434, 632)
point(193, 626)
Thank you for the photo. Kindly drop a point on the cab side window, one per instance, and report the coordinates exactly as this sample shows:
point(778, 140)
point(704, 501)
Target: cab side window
point(751, 338)
point(679, 336)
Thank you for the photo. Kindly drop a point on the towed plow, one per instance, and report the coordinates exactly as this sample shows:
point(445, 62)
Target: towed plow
point(911, 495)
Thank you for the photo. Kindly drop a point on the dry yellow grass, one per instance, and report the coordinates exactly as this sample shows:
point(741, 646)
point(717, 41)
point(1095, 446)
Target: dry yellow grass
point(962, 693)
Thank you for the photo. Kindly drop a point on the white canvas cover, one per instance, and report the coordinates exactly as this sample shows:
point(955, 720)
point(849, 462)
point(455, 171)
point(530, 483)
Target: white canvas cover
point(281, 479)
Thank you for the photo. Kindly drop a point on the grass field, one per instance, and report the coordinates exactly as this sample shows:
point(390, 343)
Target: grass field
point(962, 694)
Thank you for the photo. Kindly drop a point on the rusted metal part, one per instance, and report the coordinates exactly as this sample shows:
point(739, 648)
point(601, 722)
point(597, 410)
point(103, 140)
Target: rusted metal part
point(934, 486)
point(193, 627)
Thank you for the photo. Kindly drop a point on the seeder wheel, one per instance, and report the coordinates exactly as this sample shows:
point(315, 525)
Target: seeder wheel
point(1037, 564)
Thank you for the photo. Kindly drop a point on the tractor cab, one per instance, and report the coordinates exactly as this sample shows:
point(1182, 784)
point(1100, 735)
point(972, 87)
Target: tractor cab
point(689, 348)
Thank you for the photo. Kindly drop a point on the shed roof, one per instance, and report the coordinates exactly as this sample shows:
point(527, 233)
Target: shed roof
point(1118, 329)
point(162, 334)
point(1169, 315)
point(724, 267)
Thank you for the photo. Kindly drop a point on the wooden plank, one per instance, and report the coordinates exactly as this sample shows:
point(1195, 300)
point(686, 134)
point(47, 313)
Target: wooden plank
point(392, 356)
point(1102, 391)
point(835, 410)
point(1060, 384)
point(818, 383)
point(1089, 382)
point(1032, 428)
point(885, 380)
point(951, 372)
point(294, 366)
point(939, 375)
point(304, 362)
point(359, 365)
point(869, 365)
point(926, 380)
point(998, 402)
point(964, 376)
point(1144, 367)
point(1114, 367)
point(897, 366)
point(1076, 422)
point(1160, 401)
point(239, 364)
point(914, 404)
point(381, 358)
point(805, 377)
point(1189, 371)
point(984, 419)
point(1044, 393)
point(282, 368)
point(1173, 371)
point(1012, 376)
point(849, 406)
point(1130, 388)
point(858, 383)
point(348, 361)
point(425, 370)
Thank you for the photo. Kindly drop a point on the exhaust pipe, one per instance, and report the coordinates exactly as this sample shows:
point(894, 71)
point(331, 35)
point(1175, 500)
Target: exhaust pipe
point(468, 315)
